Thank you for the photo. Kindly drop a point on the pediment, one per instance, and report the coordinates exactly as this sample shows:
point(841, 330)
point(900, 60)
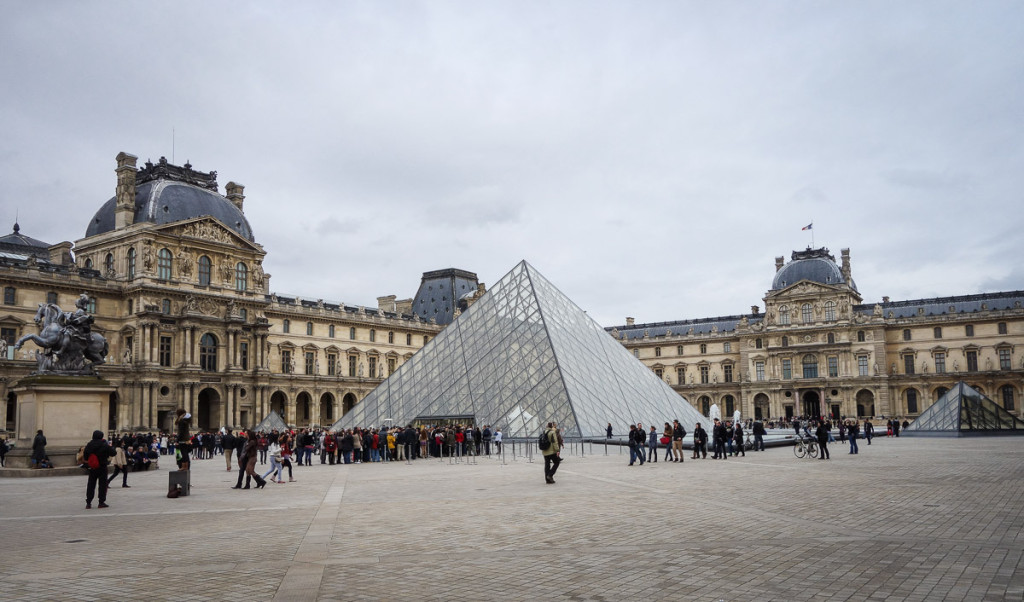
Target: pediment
point(806, 288)
point(208, 229)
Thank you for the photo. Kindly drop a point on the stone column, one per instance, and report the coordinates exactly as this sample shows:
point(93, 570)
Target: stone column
point(236, 404)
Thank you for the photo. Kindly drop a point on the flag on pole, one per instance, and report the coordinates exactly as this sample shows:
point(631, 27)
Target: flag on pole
point(808, 226)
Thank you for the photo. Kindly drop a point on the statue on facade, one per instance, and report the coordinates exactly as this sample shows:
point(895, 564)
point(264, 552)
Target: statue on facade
point(67, 340)
point(3, 349)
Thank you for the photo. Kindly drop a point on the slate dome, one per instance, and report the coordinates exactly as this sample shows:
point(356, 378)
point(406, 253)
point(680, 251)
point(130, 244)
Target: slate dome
point(815, 265)
point(166, 193)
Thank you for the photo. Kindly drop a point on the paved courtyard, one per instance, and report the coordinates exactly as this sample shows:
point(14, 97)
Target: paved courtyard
point(906, 519)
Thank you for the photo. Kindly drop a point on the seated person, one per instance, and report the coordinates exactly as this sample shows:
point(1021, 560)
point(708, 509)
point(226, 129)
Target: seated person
point(141, 460)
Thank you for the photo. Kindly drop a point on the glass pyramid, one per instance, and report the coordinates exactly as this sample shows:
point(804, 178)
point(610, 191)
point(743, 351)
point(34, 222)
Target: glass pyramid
point(524, 355)
point(964, 411)
point(273, 422)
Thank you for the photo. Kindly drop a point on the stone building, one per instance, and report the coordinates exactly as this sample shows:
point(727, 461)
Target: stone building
point(176, 283)
point(819, 349)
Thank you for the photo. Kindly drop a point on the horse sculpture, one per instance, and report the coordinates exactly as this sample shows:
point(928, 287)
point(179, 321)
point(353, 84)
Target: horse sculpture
point(67, 341)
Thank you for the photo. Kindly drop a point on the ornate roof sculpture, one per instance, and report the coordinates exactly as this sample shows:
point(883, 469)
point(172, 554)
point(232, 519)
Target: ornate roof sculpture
point(521, 356)
point(963, 411)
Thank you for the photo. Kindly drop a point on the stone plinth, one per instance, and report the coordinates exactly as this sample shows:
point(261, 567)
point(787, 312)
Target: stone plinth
point(67, 409)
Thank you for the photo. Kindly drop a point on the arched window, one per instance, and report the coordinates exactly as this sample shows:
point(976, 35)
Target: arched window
point(241, 277)
point(810, 363)
point(830, 311)
point(205, 266)
point(912, 401)
point(784, 315)
point(131, 262)
point(108, 263)
point(807, 313)
point(88, 264)
point(208, 353)
point(163, 266)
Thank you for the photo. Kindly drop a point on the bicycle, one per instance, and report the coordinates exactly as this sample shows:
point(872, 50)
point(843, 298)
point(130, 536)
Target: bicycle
point(806, 447)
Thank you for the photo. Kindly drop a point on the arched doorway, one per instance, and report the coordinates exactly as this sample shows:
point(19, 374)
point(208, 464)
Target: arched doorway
point(326, 409)
point(939, 392)
point(208, 410)
point(112, 412)
point(811, 404)
point(705, 405)
point(761, 407)
point(303, 409)
point(11, 411)
point(347, 403)
point(729, 403)
point(278, 402)
point(865, 403)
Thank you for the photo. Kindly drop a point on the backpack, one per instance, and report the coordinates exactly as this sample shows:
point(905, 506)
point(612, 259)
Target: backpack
point(93, 462)
point(544, 442)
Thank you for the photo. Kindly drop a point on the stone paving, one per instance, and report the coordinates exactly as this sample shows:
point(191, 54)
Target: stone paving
point(906, 519)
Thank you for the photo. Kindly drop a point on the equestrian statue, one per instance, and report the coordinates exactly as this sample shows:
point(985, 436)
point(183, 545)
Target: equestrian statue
point(67, 340)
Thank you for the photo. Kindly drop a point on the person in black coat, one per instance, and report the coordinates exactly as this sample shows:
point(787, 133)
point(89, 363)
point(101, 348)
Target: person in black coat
point(102, 451)
point(759, 434)
point(822, 435)
point(719, 435)
point(700, 442)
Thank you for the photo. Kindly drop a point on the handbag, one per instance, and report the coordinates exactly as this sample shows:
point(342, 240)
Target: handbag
point(665, 440)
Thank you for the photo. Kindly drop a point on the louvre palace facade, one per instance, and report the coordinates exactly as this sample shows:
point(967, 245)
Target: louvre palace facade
point(819, 349)
point(175, 282)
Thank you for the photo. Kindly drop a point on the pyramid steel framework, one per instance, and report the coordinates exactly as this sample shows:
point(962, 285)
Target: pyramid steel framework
point(521, 356)
point(963, 411)
point(273, 422)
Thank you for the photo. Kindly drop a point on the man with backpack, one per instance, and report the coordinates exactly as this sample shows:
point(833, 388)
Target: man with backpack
point(97, 454)
point(549, 445)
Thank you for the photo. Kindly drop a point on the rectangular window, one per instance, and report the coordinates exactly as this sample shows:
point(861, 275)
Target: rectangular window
point(704, 373)
point(352, 333)
point(309, 328)
point(703, 347)
point(286, 361)
point(833, 367)
point(657, 352)
point(332, 364)
point(679, 350)
point(330, 331)
point(938, 332)
point(972, 361)
point(1004, 359)
point(391, 365)
point(969, 330)
point(862, 365)
point(1002, 328)
point(425, 340)
point(681, 375)
point(408, 340)
point(727, 369)
point(352, 365)
point(908, 364)
point(726, 347)
point(9, 335)
point(787, 369)
point(286, 326)
point(373, 336)
point(659, 373)
point(243, 355)
point(391, 337)
point(165, 351)
point(310, 363)
point(940, 363)
point(8, 295)
point(373, 367)
point(51, 298)
point(759, 370)
point(810, 367)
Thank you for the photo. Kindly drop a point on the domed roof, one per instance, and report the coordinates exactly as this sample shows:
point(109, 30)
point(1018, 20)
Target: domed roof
point(816, 265)
point(166, 193)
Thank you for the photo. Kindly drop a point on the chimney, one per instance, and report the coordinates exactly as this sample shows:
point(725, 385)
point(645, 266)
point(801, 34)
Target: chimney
point(755, 310)
point(846, 265)
point(630, 321)
point(235, 194)
point(779, 261)
point(124, 208)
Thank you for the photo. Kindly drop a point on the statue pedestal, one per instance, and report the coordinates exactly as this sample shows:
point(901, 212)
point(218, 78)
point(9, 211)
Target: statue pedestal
point(67, 409)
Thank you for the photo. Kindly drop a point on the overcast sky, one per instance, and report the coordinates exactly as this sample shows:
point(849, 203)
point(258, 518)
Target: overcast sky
point(651, 159)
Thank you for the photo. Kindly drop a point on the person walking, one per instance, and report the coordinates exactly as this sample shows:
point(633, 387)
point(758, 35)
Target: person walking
point(670, 448)
point(497, 441)
point(551, 457)
point(700, 443)
point(97, 455)
point(274, 451)
point(718, 436)
point(634, 445)
point(854, 430)
point(227, 442)
point(822, 433)
point(608, 431)
point(759, 434)
point(678, 433)
point(652, 445)
point(120, 466)
point(737, 436)
point(869, 430)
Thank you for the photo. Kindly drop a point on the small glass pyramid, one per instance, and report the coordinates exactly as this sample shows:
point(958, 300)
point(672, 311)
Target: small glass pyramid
point(964, 411)
point(273, 422)
point(524, 355)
